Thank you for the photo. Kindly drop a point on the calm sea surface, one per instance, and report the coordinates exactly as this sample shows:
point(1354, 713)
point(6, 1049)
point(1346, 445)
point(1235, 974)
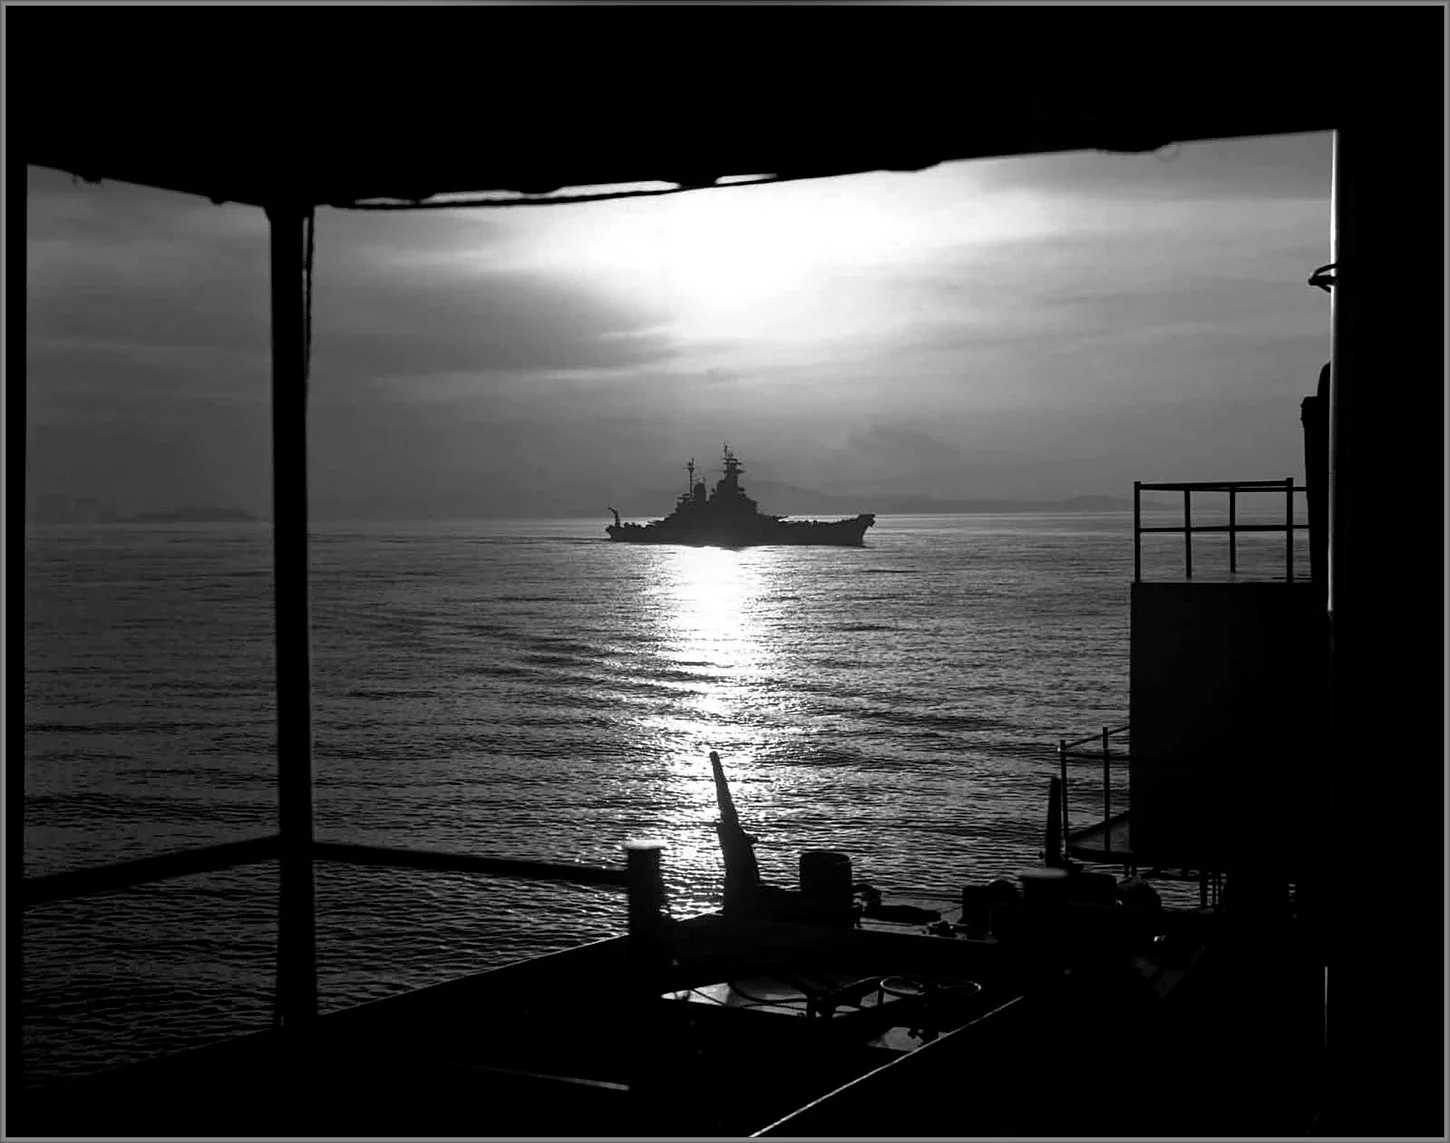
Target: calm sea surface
point(529, 689)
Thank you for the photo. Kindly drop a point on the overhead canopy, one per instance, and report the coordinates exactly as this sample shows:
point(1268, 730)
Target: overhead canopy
point(336, 106)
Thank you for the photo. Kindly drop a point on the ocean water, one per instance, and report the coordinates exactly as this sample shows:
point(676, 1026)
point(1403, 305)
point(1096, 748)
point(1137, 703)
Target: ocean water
point(528, 689)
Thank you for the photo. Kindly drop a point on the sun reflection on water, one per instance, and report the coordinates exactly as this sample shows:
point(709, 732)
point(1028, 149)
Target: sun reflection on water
point(711, 591)
point(715, 645)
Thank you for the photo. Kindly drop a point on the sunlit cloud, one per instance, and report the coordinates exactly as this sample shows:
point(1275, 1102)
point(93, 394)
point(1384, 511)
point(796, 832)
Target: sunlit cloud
point(782, 265)
point(1031, 315)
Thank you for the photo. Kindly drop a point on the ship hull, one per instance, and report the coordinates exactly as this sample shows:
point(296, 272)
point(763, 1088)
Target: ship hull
point(749, 533)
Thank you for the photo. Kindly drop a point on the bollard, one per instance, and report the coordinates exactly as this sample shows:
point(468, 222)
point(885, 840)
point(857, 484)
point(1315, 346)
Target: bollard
point(1044, 888)
point(825, 878)
point(646, 887)
point(976, 911)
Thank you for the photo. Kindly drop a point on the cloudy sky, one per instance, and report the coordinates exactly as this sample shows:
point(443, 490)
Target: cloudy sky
point(1027, 328)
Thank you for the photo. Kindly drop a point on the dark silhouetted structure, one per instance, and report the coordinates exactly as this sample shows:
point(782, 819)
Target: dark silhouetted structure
point(379, 108)
point(729, 518)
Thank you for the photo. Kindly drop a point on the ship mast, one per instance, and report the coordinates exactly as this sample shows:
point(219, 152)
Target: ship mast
point(733, 467)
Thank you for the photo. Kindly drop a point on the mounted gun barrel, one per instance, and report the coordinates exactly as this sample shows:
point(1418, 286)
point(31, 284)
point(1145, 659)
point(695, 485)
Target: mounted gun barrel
point(742, 875)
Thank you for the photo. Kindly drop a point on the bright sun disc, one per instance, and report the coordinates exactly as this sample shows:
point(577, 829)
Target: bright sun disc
point(712, 257)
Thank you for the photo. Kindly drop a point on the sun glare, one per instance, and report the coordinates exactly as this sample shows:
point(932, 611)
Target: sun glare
point(719, 253)
point(783, 262)
point(715, 639)
point(785, 266)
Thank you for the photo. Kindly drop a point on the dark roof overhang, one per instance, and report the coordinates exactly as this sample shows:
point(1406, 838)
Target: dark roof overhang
point(339, 106)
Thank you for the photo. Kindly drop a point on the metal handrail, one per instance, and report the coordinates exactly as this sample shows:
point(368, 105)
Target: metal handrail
point(579, 874)
point(1098, 737)
point(1215, 486)
point(1065, 751)
point(1224, 528)
point(210, 859)
point(648, 952)
point(1233, 527)
point(128, 874)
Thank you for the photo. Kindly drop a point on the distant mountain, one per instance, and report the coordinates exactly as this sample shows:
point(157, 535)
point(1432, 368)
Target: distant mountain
point(910, 505)
point(191, 514)
point(790, 500)
point(54, 508)
point(594, 503)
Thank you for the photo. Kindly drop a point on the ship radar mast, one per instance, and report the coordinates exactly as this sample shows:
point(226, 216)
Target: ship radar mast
point(733, 467)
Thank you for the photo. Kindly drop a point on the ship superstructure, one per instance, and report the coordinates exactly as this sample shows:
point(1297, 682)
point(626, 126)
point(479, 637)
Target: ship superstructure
point(728, 518)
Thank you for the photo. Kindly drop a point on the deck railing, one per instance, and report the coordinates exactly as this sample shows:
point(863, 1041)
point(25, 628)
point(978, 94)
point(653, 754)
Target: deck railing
point(1233, 487)
point(640, 876)
point(294, 846)
point(1103, 753)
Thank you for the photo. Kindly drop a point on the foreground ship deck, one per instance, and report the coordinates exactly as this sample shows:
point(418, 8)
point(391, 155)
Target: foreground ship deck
point(790, 1012)
point(560, 1045)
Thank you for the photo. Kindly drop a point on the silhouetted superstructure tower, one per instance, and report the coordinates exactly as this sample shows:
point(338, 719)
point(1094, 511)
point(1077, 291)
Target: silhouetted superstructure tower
point(728, 516)
point(729, 496)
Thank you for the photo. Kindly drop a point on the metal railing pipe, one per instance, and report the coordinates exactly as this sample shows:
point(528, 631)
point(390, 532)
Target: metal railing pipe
point(1215, 485)
point(1233, 528)
point(390, 857)
point(1092, 737)
point(1175, 529)
point(143, 870)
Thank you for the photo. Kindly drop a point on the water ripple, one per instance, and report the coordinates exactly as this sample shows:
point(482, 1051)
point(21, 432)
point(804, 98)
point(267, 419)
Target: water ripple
point(521, 690)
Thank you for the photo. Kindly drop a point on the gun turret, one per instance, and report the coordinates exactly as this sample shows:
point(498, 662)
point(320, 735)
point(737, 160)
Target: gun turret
point(742, 875)
point(828, 873)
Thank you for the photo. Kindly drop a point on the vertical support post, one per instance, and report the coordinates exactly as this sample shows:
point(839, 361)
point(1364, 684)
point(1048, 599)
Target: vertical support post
point(1314, 412)
point(1203, 889)
point(649, 974)
point(1386, 1061)
point(1344, 369)
point(1233, 549)
point(1062, 766)
point(1289, 529)
point(1054, 839)
point(1107, 795)
point(1137, 531)
point(296, 934)
point(1187, 534)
